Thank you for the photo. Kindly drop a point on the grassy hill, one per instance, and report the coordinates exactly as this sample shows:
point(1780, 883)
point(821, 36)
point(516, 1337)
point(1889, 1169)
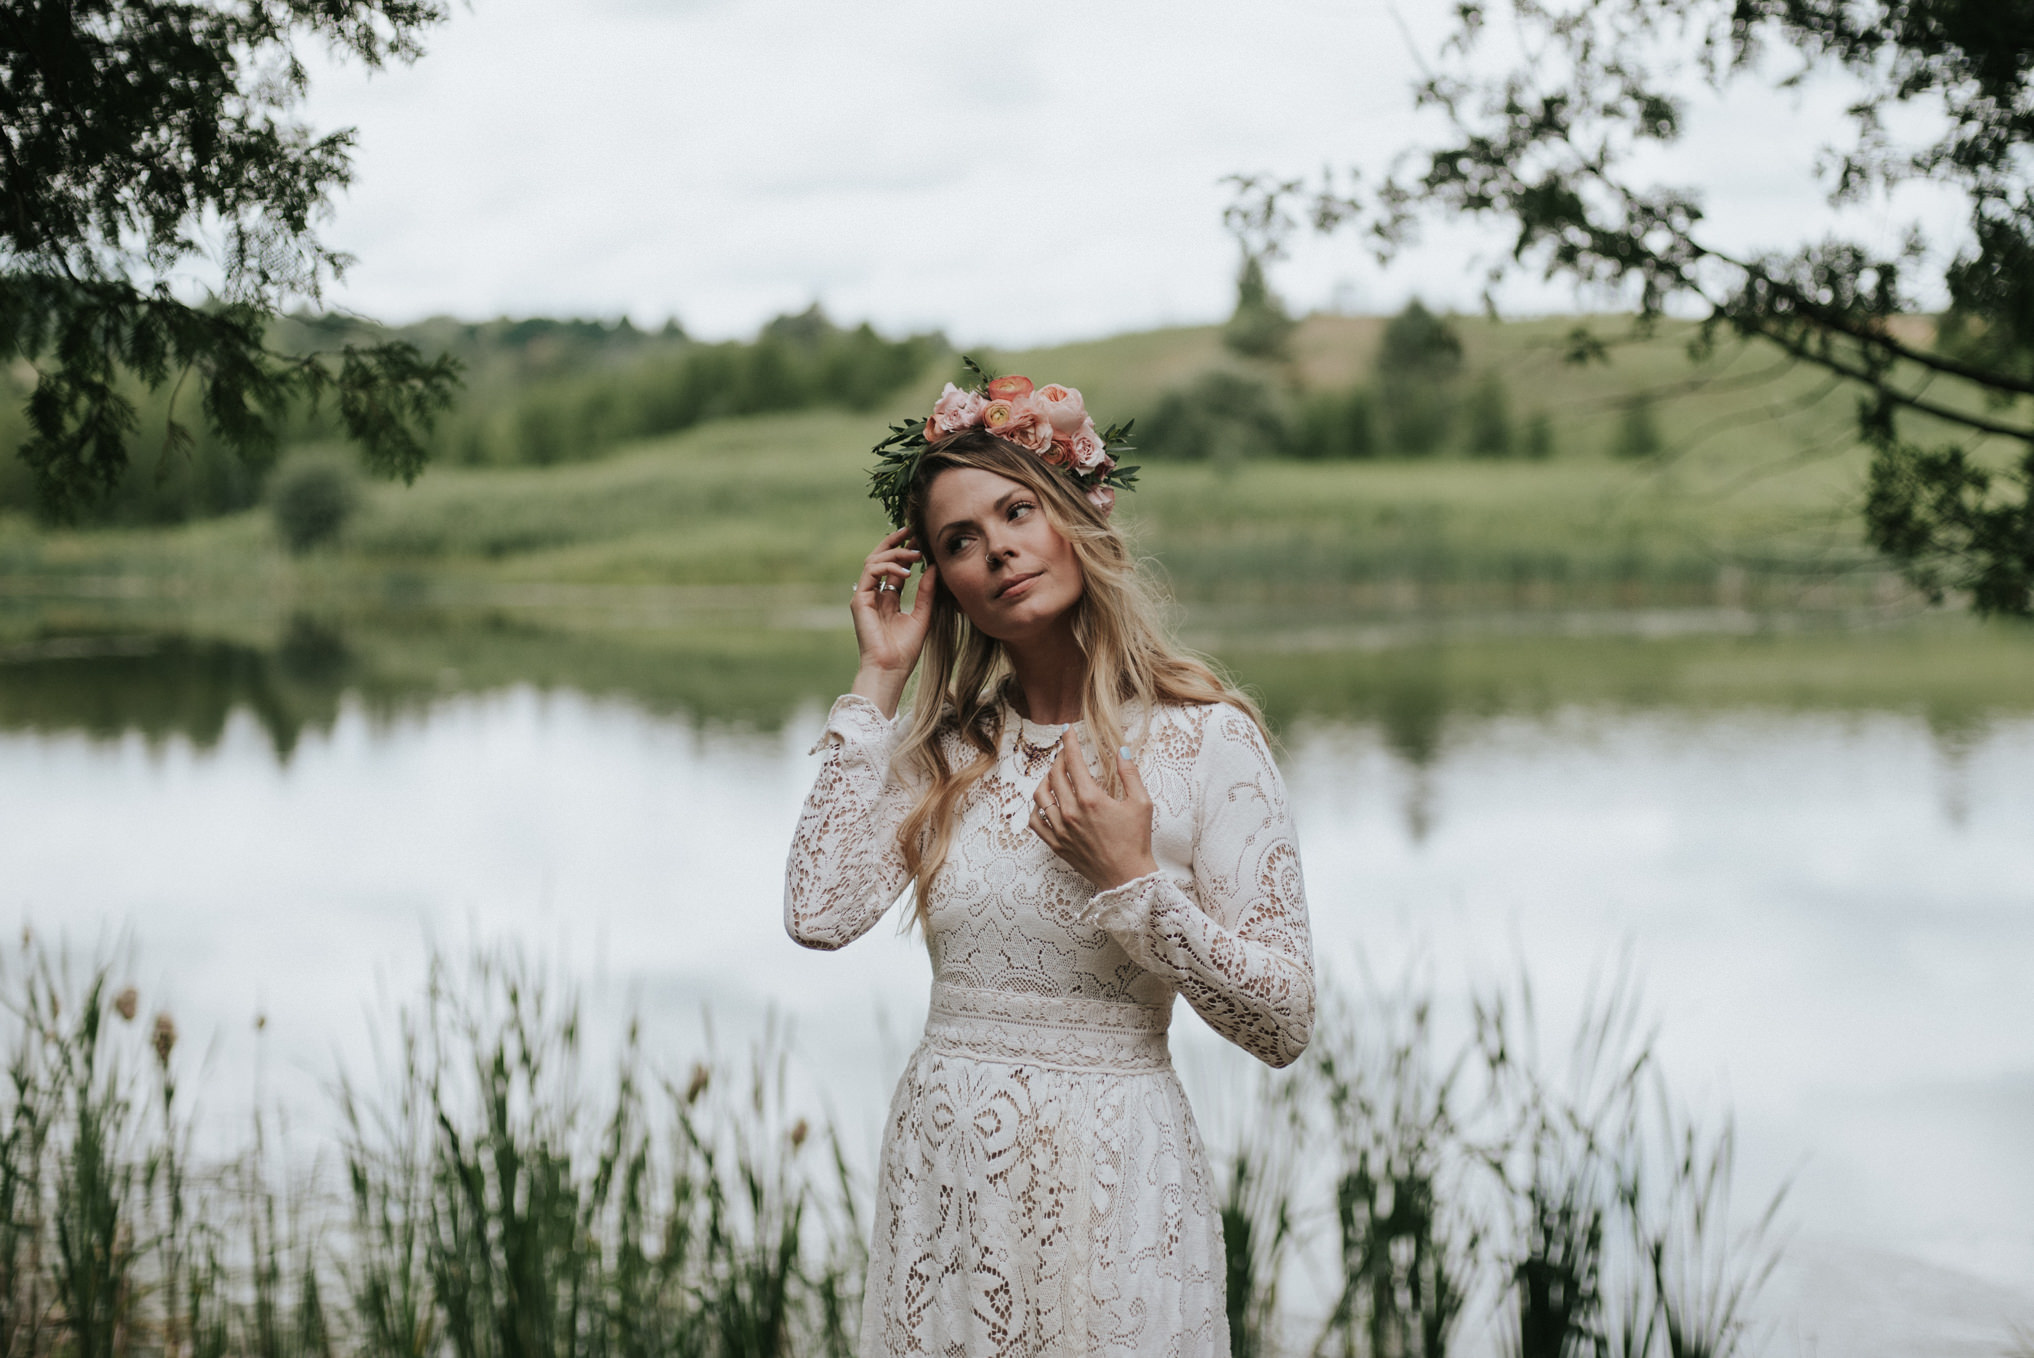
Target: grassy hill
point(1751, 498)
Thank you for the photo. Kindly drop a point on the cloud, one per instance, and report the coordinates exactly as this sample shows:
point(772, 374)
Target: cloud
point(1009, 176)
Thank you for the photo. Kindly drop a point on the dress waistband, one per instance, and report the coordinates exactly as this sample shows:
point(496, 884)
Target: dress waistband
point(1047, 1030)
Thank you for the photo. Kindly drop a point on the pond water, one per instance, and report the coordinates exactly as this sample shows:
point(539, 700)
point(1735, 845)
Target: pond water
point(1818, 852)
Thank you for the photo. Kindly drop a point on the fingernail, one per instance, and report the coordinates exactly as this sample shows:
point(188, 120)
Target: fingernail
point(1123, 750)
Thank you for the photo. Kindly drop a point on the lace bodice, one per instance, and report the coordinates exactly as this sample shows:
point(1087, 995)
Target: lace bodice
point(1222, 921)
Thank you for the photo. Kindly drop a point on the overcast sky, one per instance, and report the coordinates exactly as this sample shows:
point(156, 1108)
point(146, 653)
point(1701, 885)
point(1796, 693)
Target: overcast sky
point(1010, 173)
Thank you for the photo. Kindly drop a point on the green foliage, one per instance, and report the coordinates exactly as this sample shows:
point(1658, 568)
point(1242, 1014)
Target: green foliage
point(538, 392)
point(1407, 1250)
point(1638, 431)
point(550, 392)
point(1489, 418)
point(149, 137)
point(1223, 417)
point(1418, 366)
point(1555, 139)
point(1260, 1226)
point(1419, 344)
point(1336, 426)
point(1418, 415)
point(503, 1196)
point(1260, 326)
point(1599, 1208)
point(312, 496)
point(1943, 515)
point(777, 503)
point(498, 1202)
point(1539, 436)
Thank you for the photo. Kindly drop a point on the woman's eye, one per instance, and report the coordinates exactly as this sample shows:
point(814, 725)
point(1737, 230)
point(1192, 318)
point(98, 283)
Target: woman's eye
point(955, 543)
point(1020, 508)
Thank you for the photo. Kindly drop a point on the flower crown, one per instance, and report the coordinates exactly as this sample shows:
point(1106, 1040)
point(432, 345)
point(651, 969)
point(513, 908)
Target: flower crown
point(1049, 421)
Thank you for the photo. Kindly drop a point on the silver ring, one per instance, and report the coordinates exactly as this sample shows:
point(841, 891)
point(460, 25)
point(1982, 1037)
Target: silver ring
point(884, 584)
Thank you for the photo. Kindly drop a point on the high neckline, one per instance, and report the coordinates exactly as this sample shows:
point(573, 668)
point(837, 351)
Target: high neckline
point(1039, 732)
point(1035, 733)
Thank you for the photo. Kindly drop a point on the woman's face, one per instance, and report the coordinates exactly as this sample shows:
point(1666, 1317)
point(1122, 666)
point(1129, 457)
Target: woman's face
point(1004, 563)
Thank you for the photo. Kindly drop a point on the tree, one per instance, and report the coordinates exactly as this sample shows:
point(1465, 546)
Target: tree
point(1260, 326)
point(1419, 357)
point(1638, 433)
point(145, 142)
point(1549, 114)
point(1489, 417)
point(1417, 343)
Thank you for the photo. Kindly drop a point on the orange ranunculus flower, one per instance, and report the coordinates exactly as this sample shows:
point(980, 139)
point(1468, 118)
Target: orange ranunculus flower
point(1061, 454)
point(1009, 388)
point(996, 414)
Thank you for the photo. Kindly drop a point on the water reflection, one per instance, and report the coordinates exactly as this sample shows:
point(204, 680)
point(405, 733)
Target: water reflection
point(1815, 845)
point(163, 685)
point(290, 676)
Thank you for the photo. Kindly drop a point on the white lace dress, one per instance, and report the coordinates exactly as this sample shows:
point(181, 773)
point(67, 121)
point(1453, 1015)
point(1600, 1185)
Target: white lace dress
point(1043, 1188)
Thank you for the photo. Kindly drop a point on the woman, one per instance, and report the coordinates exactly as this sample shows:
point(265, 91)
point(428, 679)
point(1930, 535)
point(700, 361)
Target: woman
point(1090, 823)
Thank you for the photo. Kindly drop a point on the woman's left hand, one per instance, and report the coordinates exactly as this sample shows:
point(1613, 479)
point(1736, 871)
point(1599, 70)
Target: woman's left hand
point(1105, 839)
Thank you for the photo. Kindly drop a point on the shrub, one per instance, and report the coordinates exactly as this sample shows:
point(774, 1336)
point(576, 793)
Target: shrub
point(1539, 437)
point(1638, 434)
point(1223, 417)
point(312, 496)
point(1418, 415)
point(1489, 414)
point(1337, 425)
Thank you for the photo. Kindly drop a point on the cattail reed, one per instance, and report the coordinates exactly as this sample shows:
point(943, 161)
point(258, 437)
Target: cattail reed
point(497, 1191)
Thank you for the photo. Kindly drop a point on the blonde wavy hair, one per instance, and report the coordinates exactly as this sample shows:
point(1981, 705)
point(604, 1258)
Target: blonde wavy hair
point(964, 674)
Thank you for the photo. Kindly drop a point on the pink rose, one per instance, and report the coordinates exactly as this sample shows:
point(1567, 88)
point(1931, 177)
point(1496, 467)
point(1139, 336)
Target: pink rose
point(954, 411)
point(1009, 388)
point(1062, 405)
point(1102, 498)
point(1028, 429)
point(1086, 445)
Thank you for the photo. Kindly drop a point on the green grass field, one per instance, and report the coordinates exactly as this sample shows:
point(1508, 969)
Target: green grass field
point(1754, 501)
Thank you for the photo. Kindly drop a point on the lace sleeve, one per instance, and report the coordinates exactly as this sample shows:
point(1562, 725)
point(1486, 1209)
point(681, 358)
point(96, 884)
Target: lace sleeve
point(1238, 945)
point(845, 870)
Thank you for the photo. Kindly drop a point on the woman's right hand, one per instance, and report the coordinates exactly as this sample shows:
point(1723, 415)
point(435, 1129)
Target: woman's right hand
point(889, 638)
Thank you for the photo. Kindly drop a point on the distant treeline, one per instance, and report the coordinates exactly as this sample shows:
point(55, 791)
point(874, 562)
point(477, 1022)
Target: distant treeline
point(535, 392)
point(560, 410)
point(1419, 401)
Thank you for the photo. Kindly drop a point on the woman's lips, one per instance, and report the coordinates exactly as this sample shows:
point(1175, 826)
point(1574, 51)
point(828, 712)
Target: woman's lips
point(1017, 585)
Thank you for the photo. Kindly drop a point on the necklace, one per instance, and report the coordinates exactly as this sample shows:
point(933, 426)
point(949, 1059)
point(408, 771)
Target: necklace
point(1031, 753)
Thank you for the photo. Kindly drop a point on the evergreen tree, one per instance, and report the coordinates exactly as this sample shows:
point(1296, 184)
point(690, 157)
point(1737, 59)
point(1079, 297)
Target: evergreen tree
point(1418, 362)
point(1260, 327)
